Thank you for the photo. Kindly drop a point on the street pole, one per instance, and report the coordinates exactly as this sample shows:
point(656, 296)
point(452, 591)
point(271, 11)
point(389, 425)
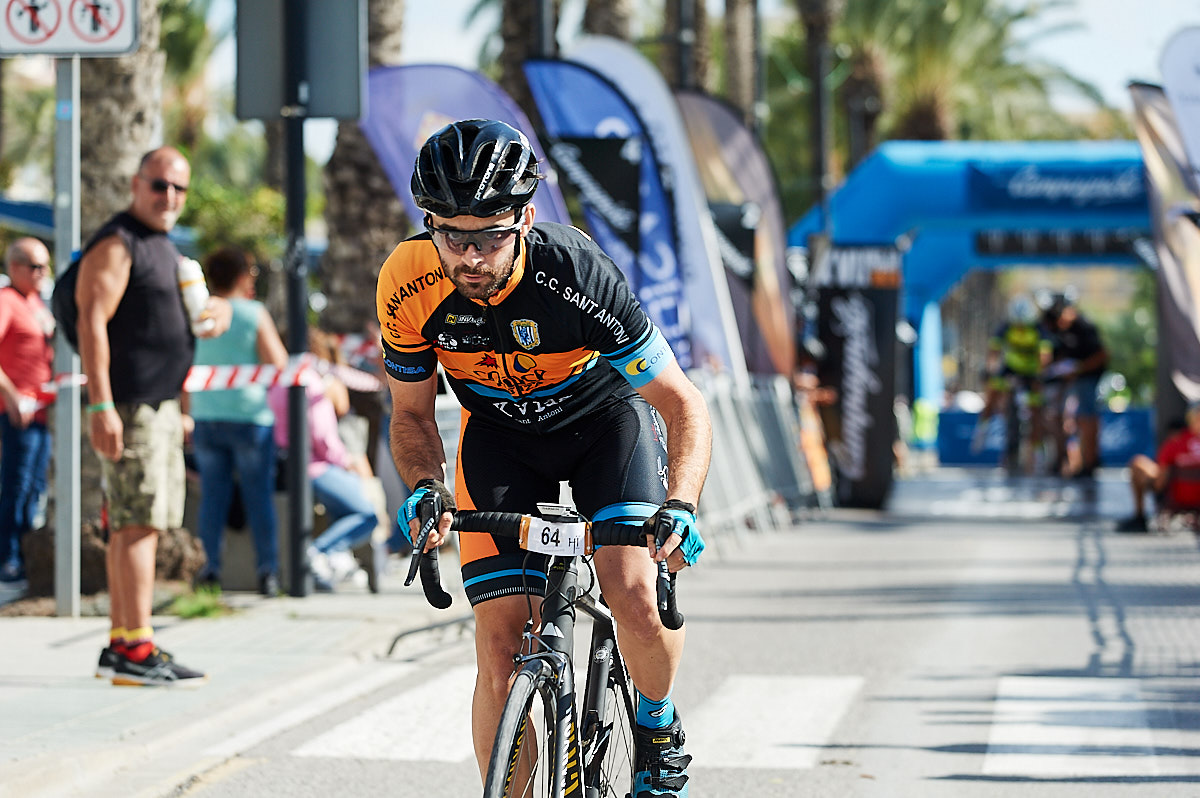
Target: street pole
point(67, 495)
point(687, 44)
point(299, 448)
point(544, 41)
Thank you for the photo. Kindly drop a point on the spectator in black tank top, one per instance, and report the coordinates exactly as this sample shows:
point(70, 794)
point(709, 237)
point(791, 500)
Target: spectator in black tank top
point(136, 345)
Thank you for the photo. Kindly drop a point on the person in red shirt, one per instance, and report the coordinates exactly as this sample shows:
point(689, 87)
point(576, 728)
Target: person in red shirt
point(1178, 452)
point(26, 355)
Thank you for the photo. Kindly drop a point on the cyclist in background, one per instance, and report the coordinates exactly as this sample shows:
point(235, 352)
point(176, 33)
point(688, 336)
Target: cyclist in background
point(562, 377)
point(1017, 352)
point(1079, 359)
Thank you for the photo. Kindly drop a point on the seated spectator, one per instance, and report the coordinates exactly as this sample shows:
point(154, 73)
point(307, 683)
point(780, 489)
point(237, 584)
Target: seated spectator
point(1178, 452)
point(338, 479)
point(233, 428)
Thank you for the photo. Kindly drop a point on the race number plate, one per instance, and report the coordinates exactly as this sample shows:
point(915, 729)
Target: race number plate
point(568, 539)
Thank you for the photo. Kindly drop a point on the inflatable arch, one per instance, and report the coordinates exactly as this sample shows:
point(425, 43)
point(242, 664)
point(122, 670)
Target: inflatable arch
point(954, 206)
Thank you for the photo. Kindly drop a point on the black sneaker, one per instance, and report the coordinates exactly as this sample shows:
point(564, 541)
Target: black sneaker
point(109, 657)
point(661, 763)
point(1135, 523)
point(159, 669)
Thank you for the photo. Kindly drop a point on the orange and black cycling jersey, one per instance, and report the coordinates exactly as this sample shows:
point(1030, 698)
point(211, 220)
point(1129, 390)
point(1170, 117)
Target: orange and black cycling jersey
point(562, 337)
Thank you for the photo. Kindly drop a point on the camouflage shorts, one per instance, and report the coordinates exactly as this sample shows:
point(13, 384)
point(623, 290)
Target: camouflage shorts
point(146, 486)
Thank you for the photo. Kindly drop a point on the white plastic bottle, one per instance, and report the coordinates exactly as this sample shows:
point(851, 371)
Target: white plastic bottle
point(195, 294)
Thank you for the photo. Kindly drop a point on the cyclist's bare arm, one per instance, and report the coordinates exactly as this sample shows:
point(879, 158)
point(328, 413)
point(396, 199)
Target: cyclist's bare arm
point(414, 439)
point(689, 436)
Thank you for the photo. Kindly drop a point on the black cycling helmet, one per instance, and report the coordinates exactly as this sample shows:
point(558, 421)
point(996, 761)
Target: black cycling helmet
point(477, 167)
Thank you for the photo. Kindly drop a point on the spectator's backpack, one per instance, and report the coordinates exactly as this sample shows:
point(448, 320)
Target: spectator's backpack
point(62, 304)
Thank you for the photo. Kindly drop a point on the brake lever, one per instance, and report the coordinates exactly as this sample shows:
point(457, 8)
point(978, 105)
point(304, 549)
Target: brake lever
point(668, 609)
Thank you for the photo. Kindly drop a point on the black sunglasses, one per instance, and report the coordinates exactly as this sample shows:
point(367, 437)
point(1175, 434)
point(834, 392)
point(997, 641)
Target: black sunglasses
point(160, 186)
point(486, 241)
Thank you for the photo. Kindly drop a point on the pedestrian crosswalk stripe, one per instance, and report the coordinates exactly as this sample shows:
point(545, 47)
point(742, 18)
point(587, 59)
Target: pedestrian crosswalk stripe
point(1062, 727)
point(768, 721)
point(430, 722)
point(356, 680)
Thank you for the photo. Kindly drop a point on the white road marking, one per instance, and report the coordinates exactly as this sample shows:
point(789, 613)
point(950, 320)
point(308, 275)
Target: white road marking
point(353, 684)
point(429, 723)
point(1061, 727)
point(768, 721)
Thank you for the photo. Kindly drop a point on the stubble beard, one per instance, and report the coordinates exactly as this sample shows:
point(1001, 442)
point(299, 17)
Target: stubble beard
point(480, 291)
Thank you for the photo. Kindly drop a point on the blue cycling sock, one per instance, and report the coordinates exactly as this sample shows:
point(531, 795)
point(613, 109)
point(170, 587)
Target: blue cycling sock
point(654, 714)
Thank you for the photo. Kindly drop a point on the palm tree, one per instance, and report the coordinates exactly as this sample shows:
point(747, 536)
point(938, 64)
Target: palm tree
point(698, 65)
point(741, 57)
point(120, 119)
point(364, 216)
point(609, 18)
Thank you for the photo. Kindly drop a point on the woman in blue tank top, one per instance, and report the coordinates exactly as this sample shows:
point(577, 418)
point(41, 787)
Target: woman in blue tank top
point(233, 427)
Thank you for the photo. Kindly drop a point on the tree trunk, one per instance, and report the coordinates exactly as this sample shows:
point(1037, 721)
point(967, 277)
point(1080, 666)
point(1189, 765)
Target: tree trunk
point(609, 18)
point(741, 57)
point(363, 213)
point(120, 120)
point(698, 65)
point(519, 32)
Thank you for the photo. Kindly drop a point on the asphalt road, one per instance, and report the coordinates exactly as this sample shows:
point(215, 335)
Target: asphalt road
point(982, 638)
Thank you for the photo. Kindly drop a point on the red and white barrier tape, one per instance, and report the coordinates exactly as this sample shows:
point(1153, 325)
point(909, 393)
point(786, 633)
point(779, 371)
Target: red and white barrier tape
point(299, 371)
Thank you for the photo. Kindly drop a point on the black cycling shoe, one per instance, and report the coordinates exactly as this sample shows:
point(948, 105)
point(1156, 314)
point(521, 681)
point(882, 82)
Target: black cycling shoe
point(661, 763)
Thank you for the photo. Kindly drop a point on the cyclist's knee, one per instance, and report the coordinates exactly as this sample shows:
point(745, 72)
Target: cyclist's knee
point(637, 613)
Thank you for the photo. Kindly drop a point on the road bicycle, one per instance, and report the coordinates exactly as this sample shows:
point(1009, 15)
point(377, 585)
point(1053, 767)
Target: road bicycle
point(551, 743)
point(1021, 452)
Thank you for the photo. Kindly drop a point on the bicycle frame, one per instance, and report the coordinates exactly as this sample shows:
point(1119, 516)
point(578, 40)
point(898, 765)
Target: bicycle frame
point(552, 645)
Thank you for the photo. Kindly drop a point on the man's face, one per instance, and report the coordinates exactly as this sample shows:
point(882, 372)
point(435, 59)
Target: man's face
point(159, 191)
point(29, 277)
point(480, 275)
point(1066, 317)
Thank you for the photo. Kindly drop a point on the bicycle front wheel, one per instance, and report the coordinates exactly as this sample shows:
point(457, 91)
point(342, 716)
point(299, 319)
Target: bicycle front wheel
point(530, 755)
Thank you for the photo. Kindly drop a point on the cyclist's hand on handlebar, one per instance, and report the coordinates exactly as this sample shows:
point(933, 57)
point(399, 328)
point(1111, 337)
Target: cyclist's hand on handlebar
point(673, 536)
point(407, 517)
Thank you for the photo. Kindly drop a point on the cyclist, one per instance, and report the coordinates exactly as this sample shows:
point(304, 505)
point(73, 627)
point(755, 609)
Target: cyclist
point(562, 377)
point(1017, 352)
point(1079, 360)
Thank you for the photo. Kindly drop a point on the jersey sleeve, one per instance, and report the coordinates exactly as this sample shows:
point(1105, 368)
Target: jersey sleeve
point(407, 356)
point(619, 328)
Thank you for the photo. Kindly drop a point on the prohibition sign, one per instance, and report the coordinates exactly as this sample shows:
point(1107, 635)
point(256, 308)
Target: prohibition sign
point(32, 21)
point(96, 20)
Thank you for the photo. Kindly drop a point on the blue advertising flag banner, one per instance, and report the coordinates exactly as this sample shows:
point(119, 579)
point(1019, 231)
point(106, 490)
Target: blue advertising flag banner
point(714, 328)
point(653, 269)
point(736, 174)
point(407, 104)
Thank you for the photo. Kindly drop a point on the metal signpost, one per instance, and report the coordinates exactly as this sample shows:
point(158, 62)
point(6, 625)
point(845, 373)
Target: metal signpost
point(299, 60)
point(68, 30)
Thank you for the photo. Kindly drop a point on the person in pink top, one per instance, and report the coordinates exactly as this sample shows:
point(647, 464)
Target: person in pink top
point(26, 364)
point(337, 478)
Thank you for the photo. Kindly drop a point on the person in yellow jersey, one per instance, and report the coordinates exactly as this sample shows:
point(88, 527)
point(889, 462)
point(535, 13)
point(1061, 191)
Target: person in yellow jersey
point(1017, 352)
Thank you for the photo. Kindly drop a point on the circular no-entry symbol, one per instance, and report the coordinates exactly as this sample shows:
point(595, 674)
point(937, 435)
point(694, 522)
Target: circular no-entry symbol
point(32, 21)
point(96, 20)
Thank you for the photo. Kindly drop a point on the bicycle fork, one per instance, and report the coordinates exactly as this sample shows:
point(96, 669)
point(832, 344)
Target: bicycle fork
point(556, 636)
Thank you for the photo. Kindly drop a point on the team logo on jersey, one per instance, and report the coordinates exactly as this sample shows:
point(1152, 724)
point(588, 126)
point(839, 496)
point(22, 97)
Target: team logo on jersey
point(526, 333)
point(523, 363)
point(462, 318)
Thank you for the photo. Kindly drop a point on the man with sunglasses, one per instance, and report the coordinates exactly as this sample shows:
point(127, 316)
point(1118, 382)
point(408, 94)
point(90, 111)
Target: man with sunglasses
point(562, 377)
point(26, 364)
point(136, 346)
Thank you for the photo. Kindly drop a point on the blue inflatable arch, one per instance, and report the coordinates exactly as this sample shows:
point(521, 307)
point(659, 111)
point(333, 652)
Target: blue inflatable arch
point(963, 205)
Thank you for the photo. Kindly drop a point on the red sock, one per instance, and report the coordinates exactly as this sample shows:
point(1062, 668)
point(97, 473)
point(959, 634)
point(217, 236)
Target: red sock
point(139, 651)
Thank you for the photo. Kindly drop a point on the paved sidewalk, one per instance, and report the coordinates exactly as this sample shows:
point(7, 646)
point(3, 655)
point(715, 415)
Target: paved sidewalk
point(65, 733)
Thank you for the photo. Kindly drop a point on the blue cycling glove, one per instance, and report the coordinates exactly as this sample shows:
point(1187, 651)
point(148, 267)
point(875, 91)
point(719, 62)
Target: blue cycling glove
point(408, 510)
point(681, 517)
